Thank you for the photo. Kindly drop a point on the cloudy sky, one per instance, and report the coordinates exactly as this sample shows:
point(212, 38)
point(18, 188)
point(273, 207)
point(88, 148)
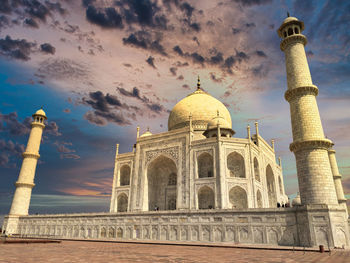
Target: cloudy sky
point(101, 67)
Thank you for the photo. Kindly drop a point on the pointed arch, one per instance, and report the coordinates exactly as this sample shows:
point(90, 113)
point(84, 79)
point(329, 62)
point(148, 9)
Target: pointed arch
point(111, 232)
point(238, 198)
point(103, 232)
point(235, 163)
point(161, 184)
point(206, 199)
point(125, 175)
point(256, 169)
point(122, 203)
point(290, 31)
point(271, 188)
point(205, 165)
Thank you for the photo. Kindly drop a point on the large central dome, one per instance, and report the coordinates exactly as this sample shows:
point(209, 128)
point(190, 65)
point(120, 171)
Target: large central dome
point(202, 106)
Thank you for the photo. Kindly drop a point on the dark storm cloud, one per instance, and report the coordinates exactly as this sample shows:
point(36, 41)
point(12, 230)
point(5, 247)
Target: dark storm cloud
point(214, 78)
point(36, 9)
point(107, 108)
point(229, 62)
point(16, 48)
point(173, 71)
point(31, 22)
point(10, 152)
point(4, 21)
point(103, 118)
point(150, 61)
point(187, 9)
point(217, 59)
point(143, 39)
point(11, 148)
point(181, 64)
point(260, 71)
point(86, 3)
point(178, 50)
point(100, 102)
point(5, 6)
point(236, 30)
point(144, 13)
point(248, 25)
point(261, 53)
point(139, 41)
point(107, 17)
point(56, 7)
point(240, 56)
point(62, 147)
point(9, 123)
point(249, 3)
point(195, 26)
point(135, 93)
point(47, 48)
point(309, 53)
point(4, 160)
point(52, 129)
point(197, 58)
point(33, 11)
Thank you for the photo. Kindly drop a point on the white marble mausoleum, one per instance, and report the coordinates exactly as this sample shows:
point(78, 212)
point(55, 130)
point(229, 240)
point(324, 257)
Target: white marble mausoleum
point(198, 182)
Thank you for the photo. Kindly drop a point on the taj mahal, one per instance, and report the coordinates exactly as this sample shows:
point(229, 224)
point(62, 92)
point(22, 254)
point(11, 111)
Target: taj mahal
point(198, 182)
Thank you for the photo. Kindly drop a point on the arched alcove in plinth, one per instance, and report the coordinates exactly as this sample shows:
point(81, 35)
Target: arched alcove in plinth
point(161, 190)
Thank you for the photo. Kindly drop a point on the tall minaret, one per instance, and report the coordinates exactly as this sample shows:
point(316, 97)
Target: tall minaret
point(309, 145)
point(337, 178)
point(25, 183)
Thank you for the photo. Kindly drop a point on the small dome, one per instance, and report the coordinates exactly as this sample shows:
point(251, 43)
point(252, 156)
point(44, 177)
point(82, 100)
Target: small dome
point(147, 133)
point(218, 120)
point(40, 112)
point(296, 201)
point(289, 19)
point(202, 107)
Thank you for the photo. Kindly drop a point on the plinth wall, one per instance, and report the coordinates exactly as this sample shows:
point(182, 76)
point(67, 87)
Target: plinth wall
point(299, 226)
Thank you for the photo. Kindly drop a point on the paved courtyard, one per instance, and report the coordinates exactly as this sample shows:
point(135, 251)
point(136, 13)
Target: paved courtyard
point(79, 251)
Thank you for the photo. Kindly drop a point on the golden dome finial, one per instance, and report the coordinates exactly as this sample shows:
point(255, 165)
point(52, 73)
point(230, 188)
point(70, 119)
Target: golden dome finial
point(198, 83)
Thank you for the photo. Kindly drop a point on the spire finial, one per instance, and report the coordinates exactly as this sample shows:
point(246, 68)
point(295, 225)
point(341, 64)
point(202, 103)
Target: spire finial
point(288, 15)
point(198, 83)
point(217, 113)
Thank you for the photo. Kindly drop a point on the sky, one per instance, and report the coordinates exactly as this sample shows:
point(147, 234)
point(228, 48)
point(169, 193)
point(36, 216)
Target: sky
point(100, 68)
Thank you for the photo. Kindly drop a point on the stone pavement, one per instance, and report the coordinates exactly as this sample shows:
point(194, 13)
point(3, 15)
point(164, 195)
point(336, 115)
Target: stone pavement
point(80, 251)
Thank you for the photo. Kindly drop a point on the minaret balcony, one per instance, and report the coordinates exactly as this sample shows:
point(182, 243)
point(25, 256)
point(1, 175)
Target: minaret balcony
point(324, 144)
point(30, 155)
point(297, 38)
point(300, 91)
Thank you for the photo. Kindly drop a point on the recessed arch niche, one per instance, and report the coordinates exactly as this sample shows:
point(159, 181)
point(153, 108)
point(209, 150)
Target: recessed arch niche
point(271, 188)
point(160, 187)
